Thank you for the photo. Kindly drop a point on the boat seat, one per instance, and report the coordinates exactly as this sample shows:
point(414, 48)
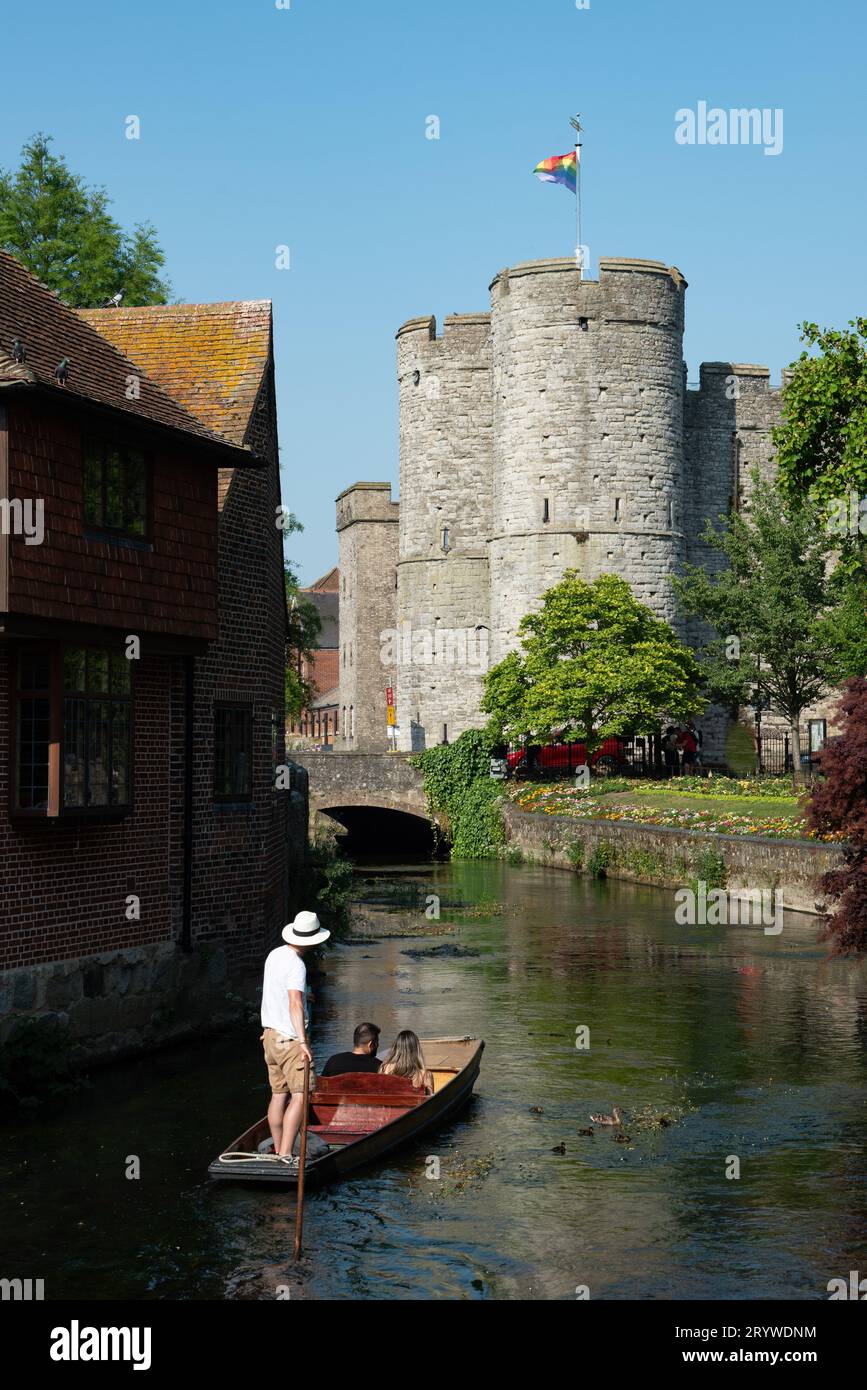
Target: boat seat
point(356, 1103)
point(362, 1087)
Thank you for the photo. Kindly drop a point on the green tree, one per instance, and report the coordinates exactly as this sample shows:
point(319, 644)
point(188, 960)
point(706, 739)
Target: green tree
point(775, 608)
point(594, 663)
point(822, 440)
point(63, 232)
point(304, 628)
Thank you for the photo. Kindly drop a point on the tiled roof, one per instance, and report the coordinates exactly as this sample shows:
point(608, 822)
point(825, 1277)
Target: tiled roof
point(210, 357)
point(330, 582)
point(99, 372)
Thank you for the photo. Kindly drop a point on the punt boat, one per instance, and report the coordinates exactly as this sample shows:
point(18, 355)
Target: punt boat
point(361, 1116)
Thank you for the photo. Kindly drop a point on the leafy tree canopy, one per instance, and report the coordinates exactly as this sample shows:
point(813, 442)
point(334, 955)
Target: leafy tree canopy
point(783, 629)
point(822, 441)
point(304, 628)
point(63, 232)
point(839, 803)
point(594, 663)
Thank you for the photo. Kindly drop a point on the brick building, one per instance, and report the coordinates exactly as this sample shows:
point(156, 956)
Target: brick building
point(144, 848)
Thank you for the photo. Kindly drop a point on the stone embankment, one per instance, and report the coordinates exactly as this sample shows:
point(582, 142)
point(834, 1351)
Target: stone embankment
point(669, 858)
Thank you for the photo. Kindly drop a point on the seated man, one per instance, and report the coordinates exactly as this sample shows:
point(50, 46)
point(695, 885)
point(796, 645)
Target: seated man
point(365, 1041)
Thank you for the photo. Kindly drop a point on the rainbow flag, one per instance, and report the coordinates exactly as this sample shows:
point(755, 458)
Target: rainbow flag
point(560, 168)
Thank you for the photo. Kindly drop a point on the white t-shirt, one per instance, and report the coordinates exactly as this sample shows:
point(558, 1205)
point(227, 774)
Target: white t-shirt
point(284, 970)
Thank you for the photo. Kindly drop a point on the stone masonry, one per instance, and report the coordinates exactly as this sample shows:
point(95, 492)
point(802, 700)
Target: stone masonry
point(554, 432)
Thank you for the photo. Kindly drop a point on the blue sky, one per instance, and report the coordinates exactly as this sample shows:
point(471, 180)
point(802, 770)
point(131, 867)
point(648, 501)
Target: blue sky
point(306, 127)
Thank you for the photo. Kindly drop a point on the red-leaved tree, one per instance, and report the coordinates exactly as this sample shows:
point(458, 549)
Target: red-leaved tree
point(839, 802)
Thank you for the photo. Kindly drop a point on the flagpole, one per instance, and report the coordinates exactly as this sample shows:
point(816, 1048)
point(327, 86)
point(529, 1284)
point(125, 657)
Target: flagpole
point(579, 256)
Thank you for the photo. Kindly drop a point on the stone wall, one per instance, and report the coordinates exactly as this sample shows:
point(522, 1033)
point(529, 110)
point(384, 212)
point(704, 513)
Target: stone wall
point(445, 522)
point(367, 523)
point(669, 857)
point(588, 432)
point(554, 432)
point(386, 780)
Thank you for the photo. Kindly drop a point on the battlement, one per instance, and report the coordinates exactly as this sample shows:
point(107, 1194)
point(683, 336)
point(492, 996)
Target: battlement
point(366, 502)
point(756, 377)
point(454, 326)
point(426, 325)
point(608, 266)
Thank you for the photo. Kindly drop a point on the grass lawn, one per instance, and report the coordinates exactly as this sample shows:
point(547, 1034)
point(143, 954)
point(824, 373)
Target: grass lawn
point(756, 806)
point(777, 816)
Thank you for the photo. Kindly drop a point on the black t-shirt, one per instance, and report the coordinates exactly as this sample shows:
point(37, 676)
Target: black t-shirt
point(349, 1061)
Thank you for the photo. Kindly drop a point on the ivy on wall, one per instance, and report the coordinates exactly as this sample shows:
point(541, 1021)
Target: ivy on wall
point(458, 787)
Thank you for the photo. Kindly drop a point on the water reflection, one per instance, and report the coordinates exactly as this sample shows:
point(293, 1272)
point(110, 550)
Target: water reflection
point(750, 1046)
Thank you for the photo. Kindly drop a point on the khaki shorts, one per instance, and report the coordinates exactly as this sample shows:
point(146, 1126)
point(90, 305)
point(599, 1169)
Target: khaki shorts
point(285, 1064)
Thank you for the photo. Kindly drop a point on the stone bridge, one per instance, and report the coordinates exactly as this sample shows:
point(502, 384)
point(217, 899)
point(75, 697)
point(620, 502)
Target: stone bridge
point(342, 785)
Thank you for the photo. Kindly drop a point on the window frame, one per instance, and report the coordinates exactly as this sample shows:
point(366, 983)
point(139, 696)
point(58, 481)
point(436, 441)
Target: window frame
point(55, 810)
point(101, 530)
point(234, 798)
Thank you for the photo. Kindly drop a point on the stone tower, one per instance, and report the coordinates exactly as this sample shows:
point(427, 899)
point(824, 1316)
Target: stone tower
point(588, 432)
point(445, 522)
point(555, 432)
point(367, 547)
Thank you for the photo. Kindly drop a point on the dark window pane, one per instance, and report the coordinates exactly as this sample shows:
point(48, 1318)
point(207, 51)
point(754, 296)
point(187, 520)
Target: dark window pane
point(120, 752)
point(134, 493)
point(73, 668)
point(74, 751)
point(33, 729)
point(232, 752)
point(93, 484)
point(97, 752)
point(97, 672)
point(113, 490)
point(121, 670)
point(34, 670)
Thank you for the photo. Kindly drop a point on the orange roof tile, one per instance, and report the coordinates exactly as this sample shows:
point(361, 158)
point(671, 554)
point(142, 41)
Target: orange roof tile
point(329, 583)
point(209, 357)
point(99, 372)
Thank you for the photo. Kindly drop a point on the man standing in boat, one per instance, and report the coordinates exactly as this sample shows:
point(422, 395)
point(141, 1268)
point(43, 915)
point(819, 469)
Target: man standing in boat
point(284, 1021)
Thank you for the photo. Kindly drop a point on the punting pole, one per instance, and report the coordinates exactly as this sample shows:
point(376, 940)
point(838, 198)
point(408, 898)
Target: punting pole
point(302, 1163)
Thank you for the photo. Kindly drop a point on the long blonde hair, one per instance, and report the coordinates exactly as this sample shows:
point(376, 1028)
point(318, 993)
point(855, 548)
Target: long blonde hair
point(405, 1059)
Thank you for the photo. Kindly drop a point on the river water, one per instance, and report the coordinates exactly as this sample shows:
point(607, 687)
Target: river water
point(751, 1047)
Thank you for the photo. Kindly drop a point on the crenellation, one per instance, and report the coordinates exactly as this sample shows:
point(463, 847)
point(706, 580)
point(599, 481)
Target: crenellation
point(555, 431)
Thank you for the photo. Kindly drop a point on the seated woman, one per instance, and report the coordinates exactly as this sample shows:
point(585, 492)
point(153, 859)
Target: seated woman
point(405, 1059)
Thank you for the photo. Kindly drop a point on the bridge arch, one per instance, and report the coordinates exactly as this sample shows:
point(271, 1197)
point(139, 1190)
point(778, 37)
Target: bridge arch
point(383, 786)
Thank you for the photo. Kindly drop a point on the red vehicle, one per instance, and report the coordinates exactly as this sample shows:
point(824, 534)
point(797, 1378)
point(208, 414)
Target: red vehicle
point(564, 758)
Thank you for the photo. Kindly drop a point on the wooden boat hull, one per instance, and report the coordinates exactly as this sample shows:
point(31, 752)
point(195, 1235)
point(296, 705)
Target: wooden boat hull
point(452, 1092)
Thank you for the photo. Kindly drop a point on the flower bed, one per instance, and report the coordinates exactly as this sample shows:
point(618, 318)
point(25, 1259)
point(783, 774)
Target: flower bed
point(565, 799)
point(743, 788)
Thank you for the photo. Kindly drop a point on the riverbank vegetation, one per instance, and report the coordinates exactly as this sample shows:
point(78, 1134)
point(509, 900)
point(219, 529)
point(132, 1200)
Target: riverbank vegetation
point(839, 806)
point(459, 788)
point(327, 885)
